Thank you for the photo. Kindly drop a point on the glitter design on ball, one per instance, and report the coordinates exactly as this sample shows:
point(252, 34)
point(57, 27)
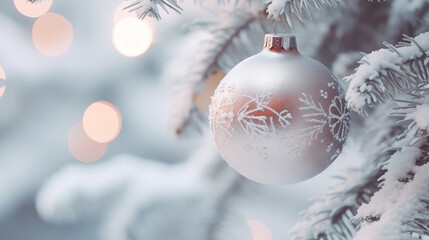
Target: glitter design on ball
point(315, 115)
point(339, 119)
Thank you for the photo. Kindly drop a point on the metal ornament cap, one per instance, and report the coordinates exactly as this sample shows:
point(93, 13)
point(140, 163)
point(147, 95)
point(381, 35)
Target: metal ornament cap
point(280, 42)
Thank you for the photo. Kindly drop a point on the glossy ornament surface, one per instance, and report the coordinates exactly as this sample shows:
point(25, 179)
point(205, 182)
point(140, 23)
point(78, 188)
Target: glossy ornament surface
point(279, 117)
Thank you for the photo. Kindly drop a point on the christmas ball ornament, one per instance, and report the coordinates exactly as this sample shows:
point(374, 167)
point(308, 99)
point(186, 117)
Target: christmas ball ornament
point(279, 117)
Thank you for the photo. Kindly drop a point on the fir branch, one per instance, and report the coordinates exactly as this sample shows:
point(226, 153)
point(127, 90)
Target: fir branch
point(384, 72)
point(130, 193)
point(221, 206)
point(329, 218)
point(298, 8)
point(79, 191)
point(399, 209)
point(149, 8)
point(237, 34)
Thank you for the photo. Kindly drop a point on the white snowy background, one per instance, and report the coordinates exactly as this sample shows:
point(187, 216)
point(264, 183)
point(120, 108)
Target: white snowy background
point(46, 96)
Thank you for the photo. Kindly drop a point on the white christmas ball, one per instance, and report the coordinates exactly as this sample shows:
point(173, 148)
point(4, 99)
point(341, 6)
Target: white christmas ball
point(279, 117)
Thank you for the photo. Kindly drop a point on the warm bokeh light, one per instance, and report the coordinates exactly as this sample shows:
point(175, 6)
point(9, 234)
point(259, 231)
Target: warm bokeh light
point(132, 37)
point(102, 122)
point(120, 13)
point(202, 99)
point(52, 34)
point(259, 230)
point(82, 147)
point(33, 10)
point(210, 4)
point(2, 81)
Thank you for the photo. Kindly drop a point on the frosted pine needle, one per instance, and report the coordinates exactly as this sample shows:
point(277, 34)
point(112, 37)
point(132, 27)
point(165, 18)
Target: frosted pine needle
point(383, 73)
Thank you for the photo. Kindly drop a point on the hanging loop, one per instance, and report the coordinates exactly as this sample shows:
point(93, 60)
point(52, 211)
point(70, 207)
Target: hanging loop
point(283, 24)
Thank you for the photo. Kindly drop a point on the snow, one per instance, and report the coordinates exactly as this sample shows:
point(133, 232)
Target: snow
point(421, 116)
point(403, 186)
point(116, 188)
point(46, 96)
point(398, 167)
point(393, 224)
point(369, 71)
point(177, 79)
point(276, 8)
point(374, 65)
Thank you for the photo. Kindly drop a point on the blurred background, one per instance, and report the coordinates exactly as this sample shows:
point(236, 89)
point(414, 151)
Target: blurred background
point(57, 88)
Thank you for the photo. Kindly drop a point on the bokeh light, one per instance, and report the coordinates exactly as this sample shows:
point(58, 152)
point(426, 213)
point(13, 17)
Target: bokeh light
point(2, 81)
point(52, 34)
point(32, 10)
point(202, 99)
point(82, 147)
point(120, 13)
point(132, 37)
point(102, 122)
point(259, 230)
point(210, 4)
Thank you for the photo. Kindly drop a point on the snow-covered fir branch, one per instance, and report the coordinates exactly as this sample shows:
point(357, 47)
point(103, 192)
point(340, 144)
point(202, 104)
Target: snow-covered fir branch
point(134, 195)
point(149, 8)
point(399, 210)
point(299, 8)
point(235, 35)
point(385, 72)
point(329, 217)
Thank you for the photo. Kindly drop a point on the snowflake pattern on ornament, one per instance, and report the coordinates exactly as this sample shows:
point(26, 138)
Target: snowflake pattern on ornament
point(256, 125)
point(339, 118)
point(221, 87)
point(316, 115)
point(249, 117)
point(221, 124)
point(335, 155)
point(329, 147)
point(323, 94)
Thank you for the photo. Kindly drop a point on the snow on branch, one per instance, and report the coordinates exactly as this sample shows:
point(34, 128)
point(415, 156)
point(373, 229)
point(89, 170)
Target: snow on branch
point(80, 190)
point(149, 8)
point(298, 8)
point(385, 72)
point(235, 35)
point(399, 209)
point(329, 218)
point(139, 198)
